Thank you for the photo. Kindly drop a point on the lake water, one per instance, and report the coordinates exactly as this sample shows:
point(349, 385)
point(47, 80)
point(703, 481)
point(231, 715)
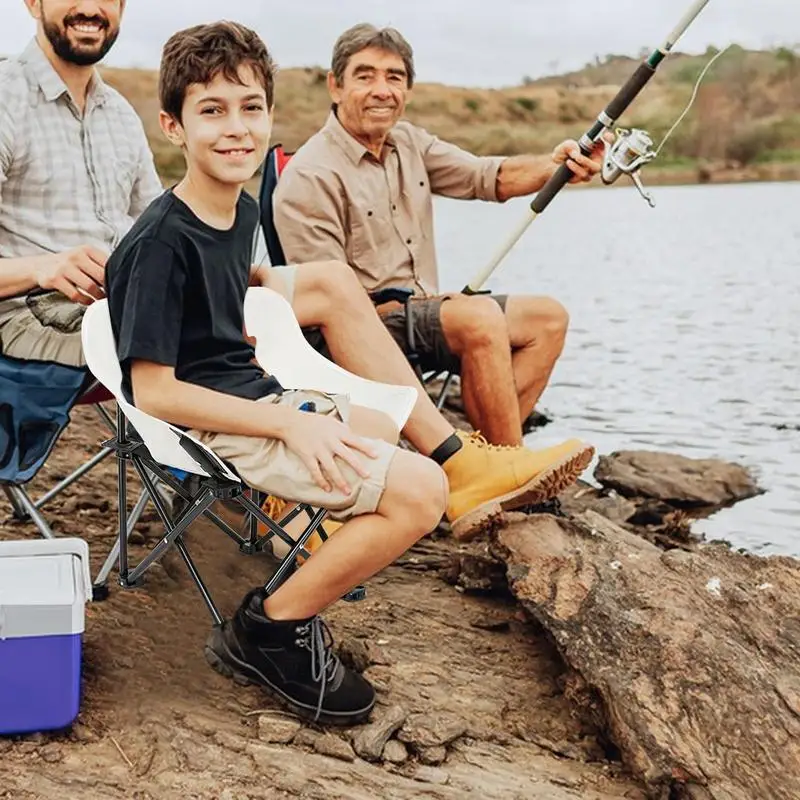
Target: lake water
point(685, 327)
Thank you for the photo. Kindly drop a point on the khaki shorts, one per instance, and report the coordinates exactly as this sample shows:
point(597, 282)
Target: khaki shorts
point(269, 466)
point(42, 327)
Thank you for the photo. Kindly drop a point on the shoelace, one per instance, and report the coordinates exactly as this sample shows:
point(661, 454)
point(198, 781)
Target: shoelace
point(481, 441)
point(315, 636)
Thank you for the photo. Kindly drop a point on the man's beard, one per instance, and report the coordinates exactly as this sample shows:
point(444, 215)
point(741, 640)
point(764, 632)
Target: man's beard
point(65, 50)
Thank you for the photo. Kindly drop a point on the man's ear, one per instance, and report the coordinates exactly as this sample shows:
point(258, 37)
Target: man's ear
point(334, 90)
point(34, 8)
point(172, 129)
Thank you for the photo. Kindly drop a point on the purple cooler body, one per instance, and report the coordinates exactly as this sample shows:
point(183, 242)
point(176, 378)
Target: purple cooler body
point(44, 587)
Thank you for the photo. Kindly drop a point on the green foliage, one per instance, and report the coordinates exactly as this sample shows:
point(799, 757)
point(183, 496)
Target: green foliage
point(785, 55)
point(527, 103)
point(473, 104)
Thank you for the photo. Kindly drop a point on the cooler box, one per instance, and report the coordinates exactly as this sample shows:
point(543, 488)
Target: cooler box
point(44, 587)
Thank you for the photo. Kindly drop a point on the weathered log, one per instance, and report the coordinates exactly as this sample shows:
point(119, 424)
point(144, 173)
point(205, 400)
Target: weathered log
point(691, 659)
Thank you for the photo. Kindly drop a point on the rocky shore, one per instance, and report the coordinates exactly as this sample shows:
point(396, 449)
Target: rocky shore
point(595, 649)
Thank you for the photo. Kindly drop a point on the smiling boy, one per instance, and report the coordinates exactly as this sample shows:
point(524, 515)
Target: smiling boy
point(176, 288)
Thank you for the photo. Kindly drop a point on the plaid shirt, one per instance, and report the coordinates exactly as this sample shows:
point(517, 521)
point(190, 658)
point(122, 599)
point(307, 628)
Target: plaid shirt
point(66, 178)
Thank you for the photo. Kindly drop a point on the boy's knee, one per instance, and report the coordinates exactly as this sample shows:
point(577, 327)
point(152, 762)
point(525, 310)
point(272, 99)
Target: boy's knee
point(429, 491)
point(420, 486)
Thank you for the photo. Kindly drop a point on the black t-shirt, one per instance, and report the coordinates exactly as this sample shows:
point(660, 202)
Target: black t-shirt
point(176, 289)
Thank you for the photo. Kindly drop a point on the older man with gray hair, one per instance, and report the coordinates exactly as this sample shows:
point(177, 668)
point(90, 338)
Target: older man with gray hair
point(360, 191)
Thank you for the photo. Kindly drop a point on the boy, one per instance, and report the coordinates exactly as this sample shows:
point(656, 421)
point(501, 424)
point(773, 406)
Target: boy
point(176, 287)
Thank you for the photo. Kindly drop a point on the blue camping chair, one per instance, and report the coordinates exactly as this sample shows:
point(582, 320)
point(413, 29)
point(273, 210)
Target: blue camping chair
point(277, 158)
point(36, 398)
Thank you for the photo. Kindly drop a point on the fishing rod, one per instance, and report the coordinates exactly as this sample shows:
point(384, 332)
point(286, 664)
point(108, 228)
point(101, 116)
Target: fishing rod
point(629, 152)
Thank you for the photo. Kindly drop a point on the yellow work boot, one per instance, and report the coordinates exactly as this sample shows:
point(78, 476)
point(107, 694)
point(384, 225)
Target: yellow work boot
point(314, 542)
point(275, 508)
point(486, 480)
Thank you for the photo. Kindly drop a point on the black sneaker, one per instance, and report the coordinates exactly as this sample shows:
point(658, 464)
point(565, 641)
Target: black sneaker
point(294, 661)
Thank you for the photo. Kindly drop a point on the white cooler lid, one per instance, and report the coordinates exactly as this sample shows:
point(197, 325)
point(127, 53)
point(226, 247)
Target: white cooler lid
point(44, 586)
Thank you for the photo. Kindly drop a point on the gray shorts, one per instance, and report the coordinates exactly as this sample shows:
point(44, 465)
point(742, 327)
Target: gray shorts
point(430, 343)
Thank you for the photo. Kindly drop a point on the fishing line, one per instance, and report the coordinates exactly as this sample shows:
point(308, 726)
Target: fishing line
point(691, 99)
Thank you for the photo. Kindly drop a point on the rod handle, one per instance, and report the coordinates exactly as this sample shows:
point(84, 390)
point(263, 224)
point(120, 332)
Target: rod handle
point(625, 96)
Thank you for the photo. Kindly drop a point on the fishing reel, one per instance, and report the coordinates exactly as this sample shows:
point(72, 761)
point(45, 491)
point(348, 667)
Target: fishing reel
point(626, 155)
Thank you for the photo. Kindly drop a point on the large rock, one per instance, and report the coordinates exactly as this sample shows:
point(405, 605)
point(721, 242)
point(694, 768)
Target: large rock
point(689, 660)
point(680, 481)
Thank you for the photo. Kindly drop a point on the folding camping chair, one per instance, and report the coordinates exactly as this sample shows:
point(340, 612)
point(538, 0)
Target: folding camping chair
point(36, 398)
point(274, 164)
point(154, 446)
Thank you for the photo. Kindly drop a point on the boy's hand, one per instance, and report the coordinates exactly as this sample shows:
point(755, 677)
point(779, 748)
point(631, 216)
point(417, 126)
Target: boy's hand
point(319, 441)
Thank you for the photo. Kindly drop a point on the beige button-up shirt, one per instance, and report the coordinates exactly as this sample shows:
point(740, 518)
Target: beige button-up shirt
point(336, 201)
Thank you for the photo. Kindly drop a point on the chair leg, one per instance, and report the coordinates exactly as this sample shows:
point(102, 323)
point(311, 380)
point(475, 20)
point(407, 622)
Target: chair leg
point(26, 509)
point(17, 510)
point(172, 530)
point(100, 585)
point(122, 496)
point(445, 389)
point(190, 565)
point(252, 522)
point(170, 482)
point(290, 559)
point(76, 475)
point(105, 418)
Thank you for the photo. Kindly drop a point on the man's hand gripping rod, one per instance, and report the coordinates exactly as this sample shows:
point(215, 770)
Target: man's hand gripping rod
point(627, 154)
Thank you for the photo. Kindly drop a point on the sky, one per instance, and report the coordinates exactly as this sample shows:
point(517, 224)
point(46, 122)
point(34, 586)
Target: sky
point(459, 42)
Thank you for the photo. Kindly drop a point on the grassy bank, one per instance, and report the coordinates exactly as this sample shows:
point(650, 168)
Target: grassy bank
point(745, 124)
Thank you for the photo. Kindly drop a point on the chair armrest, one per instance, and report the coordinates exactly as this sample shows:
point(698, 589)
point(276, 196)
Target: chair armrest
point(207, 459)
point(392, 294)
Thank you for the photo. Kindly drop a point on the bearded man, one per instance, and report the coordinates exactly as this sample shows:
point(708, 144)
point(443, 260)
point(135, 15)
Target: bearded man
point(75, 171)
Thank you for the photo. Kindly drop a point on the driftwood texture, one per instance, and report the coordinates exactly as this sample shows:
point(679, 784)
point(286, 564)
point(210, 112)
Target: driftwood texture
point(690, 660)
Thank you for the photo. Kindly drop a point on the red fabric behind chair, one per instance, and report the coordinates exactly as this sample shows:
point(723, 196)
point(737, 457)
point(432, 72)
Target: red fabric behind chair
point(98, 394)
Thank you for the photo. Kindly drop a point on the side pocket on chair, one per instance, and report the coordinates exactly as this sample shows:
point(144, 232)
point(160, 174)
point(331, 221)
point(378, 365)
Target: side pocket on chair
point(6, 434)
point(35, 440)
